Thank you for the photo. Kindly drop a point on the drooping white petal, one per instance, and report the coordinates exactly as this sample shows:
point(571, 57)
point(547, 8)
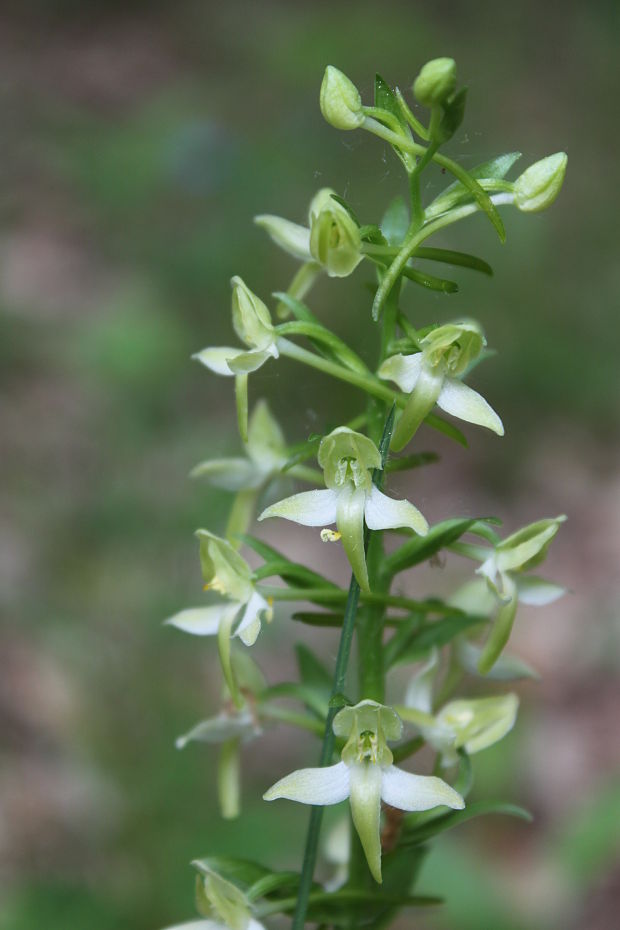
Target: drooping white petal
point(245, 362)
point(537, 592)
point(366, 780)
point(219, 729)
point(410, 792)
point(310, 508)
point(384, 513)
point(216, 359)
point(506, 668)
point(204, 925)
point(203, 621)
point(249, 627)
point(463, 402)
point(291, 237)
point(328, 785)
point(234, 474)
point(404, 370)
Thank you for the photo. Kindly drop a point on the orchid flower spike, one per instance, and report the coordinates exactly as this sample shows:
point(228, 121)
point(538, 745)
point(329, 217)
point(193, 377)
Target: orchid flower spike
point(504, 581)
point(472, 724)
point(222, 903)
point(348, 459)
point(226, 572)
point(252, 324)
point(367, 776)
point(432, 376)
point(331, 239)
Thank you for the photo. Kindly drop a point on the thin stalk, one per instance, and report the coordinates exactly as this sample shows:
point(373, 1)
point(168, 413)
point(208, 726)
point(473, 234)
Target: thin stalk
point(342, 661)
point(337, 595)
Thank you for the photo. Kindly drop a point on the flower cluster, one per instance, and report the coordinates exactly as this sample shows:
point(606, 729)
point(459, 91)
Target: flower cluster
point(416, 369)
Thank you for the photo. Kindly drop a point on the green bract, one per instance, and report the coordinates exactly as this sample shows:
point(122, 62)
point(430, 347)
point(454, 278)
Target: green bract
point(340, 100)
point(540, 184)
point(435, 82)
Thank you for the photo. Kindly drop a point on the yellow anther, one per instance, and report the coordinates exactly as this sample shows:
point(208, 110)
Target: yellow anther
point(330, 536)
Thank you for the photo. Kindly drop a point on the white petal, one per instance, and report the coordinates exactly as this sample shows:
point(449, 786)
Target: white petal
point(234, 474)
point(410, 792)
point(216, 359)
point(202, 925)
point(203, 621)
point(419, 694)
point(310, 508)
point(249, 627)
point(537, 591)
point(463, 402)
point(245, 362)
point(219, 729)
point(291, 237)
point(384, 513)
point(254, 925)
point(328, 785)
point(404, 370)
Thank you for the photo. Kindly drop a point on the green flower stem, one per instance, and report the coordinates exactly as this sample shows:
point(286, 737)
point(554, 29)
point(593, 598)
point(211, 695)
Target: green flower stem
point(414, 148)
point(299, 286)
point(284, 715)
point(337, 595)
point(411, 244)
point(366, 383)
point(327, 749)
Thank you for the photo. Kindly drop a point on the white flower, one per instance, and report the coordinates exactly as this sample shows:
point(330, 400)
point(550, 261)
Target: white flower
point(332, 237)
point(471, 724)
point(226, 572)
point(252, 323)
point(504, 582)
point(366, 776)
point(432, 376)
point(348, 459)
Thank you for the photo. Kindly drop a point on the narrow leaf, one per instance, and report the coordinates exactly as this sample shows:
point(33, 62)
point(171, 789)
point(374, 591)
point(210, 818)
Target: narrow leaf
point(443, 822)
point(420, 548)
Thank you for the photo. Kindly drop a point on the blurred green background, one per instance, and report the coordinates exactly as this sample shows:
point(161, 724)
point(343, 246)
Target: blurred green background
point(139, 140)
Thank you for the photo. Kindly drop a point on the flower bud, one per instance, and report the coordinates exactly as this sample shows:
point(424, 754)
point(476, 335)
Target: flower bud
point(540, 184)
point(251, 318)
point(435, 82)
point(340, 100)
point(335, 240)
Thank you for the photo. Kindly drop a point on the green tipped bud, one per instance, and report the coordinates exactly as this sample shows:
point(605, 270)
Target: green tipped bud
point(435, 82)
point(251, 318)
point(540, 184)
point(335, 241)
point(340, 100)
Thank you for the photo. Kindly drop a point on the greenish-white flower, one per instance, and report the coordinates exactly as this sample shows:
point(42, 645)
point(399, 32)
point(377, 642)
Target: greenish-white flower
point(267, 454)
point(433, 376)
point(350, 499)
point(252, 324)
point(332, 237)
point(222, 903)
point(471, 724)
point(340, 100)
point(227, 573)
point(540, 184)
point(504, 581)
point(367, 776)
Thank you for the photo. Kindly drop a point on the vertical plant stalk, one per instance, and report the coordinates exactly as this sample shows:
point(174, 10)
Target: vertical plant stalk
point(327, 749)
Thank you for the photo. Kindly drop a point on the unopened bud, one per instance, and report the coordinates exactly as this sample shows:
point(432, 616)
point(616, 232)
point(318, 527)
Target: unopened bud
point(340, 100)
point(435, 82)
point(540, 184)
